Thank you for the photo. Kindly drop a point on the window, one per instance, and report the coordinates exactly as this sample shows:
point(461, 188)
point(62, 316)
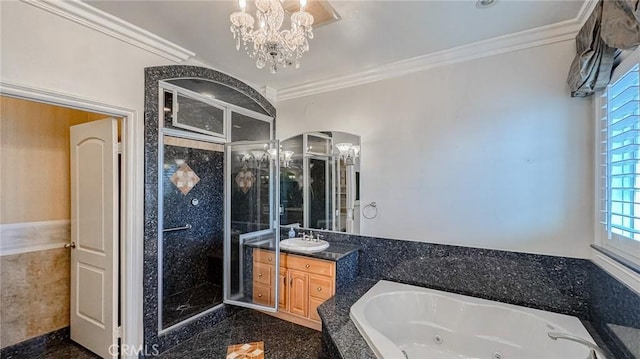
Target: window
point(620, 160)
point(202, 114)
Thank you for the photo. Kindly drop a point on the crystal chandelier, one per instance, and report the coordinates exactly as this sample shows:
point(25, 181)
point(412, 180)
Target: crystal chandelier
point(258, 156)
point(270, 45)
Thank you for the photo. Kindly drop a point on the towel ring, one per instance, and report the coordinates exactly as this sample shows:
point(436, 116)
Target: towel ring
point(373, 205)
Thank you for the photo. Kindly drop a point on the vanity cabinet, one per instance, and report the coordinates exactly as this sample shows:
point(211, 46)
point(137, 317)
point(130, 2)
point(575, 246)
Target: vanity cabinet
point(305, 283)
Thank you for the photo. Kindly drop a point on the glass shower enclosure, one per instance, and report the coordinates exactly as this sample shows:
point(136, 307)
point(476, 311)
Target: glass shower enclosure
point(252, 180)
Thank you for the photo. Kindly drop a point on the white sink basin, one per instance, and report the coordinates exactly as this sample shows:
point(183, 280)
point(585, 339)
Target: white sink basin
point(305, 246)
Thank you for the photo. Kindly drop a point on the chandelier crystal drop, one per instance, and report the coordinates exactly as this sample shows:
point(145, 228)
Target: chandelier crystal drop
point(271, 46)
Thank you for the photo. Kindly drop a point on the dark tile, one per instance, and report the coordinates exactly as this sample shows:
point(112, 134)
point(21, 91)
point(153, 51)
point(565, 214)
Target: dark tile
point(46, 346)
point(281, 339)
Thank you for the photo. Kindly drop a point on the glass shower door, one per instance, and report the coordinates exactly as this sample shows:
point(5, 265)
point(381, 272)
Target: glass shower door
point(252, 223)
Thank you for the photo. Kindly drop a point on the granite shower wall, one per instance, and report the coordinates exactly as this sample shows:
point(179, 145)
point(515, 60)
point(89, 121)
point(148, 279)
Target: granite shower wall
point(565, 285)
point(152, 77)
point(192, 258)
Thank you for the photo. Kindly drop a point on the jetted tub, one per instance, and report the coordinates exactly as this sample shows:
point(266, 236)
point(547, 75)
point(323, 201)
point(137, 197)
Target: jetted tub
point(401, 321)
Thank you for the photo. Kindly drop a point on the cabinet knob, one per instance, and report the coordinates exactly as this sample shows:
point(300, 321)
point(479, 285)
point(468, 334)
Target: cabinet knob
point(260, 275)
point(269, 259)
point(319, 289)
point(259, 295)
point(307, 266)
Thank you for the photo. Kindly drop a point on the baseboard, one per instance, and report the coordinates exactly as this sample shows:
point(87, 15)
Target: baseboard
point(32, 348)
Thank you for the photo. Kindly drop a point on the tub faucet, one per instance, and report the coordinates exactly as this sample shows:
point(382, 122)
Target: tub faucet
point(595, 352)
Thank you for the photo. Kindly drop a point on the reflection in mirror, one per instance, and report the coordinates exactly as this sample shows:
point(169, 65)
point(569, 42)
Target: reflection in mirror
point(319, 185)
point(251, 180)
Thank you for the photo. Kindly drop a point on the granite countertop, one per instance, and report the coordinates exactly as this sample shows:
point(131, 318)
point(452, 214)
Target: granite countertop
point(337, 324)
point(335, 252)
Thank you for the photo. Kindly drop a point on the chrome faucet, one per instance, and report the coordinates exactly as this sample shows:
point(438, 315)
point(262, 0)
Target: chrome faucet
point(595, 352)
point(308, 237)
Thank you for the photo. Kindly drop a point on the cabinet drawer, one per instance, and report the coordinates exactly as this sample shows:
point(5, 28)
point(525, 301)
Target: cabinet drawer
point(263, 273)
point(262, 294)
point(311, 265)
point(313, 308)
point(320, 287)
point(266, 257)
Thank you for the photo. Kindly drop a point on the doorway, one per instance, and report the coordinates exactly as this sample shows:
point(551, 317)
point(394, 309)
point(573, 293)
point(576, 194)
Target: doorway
point(36, 193)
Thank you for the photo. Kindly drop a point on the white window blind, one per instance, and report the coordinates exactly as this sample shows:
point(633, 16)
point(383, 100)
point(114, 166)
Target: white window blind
point(620, 149)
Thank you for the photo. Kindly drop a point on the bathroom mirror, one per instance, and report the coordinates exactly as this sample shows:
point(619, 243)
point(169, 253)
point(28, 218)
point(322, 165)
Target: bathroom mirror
point(319, 181)
point(197, 118)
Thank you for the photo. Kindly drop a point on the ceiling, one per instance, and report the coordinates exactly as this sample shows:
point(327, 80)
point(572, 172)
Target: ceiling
point(370, 33)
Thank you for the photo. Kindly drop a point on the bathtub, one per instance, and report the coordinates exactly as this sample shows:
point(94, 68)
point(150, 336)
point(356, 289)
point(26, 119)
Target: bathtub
point(402, 321)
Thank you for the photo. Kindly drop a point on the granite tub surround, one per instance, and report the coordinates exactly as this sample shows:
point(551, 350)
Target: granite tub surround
point(615, 313)
point(577, 287)
point(341, 338)
point(556, 284)
point(34, 291)
point(151, 120)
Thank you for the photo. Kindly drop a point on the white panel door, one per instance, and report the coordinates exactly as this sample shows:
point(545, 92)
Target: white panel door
point(94, 235)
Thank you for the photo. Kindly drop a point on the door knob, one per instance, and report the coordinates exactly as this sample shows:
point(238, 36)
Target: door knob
point(71, 245)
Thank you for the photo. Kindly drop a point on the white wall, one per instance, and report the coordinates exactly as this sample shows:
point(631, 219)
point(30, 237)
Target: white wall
point(489, 153)
point(46, 51)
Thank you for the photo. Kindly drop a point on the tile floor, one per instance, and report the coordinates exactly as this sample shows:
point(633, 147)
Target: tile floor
point(282, 340)
point(183, 305)
point(66, 350)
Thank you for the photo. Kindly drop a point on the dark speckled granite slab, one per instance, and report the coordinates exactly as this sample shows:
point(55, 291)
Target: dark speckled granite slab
point(339, 333)
point(551, 283)
point(151, 126)
point(336, 251)
point(342, 339)
point(570, 286)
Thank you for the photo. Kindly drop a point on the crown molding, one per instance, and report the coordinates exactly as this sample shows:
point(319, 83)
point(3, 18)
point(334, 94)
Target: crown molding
point(544, 35)
point(108, 24)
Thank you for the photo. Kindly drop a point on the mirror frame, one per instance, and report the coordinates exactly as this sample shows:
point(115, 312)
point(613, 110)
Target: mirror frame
point(335, 156)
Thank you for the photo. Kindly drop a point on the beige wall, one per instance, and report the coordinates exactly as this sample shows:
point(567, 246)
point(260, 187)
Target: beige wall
point(34, 155)
point(34, 186)
point(34, 294)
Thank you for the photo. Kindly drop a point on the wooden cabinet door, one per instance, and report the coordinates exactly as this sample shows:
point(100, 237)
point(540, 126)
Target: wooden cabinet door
point(262, 294)
point(298, 293)
point(313, 308)
point(283, 290)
